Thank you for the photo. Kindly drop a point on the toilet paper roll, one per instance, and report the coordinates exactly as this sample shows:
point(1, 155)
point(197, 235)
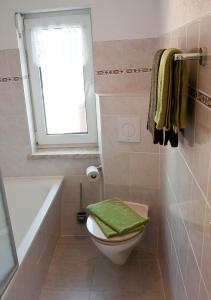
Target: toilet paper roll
point(92, 173)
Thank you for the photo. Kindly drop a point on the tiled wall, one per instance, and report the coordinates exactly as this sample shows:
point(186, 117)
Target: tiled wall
point(120, 66)
point(185, 240)
point(131, 170)
point(15, 146)
point(179, 12)
point(123, 66)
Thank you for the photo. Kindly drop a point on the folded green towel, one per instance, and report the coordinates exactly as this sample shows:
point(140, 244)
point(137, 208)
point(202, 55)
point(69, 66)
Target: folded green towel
point(172, 92)
point(109, 232)
point(115, 217)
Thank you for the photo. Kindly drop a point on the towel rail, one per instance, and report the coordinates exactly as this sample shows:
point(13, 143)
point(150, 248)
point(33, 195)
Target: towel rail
point(201, 56)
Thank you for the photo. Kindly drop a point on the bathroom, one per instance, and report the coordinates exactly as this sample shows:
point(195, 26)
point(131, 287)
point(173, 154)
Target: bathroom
point(45, 188)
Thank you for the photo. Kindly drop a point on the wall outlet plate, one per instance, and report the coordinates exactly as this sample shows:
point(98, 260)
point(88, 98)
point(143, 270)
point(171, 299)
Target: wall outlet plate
point(129, 129)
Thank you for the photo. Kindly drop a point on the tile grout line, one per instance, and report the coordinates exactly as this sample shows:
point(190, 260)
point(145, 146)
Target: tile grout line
point(196, 182)
point(178, 262)
point(161, 275)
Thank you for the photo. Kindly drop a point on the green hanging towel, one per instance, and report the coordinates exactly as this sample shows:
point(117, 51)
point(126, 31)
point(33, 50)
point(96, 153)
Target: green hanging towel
point(115, 217)
point(172, 92)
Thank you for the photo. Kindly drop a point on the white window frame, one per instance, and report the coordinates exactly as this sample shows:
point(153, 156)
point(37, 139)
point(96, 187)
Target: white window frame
point(74, 17)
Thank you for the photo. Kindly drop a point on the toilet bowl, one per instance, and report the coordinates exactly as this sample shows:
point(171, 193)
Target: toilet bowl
point(118, 248)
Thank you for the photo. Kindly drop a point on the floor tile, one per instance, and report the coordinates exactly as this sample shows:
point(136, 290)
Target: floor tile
point(56, 295)
point(69, 277)
point(75, 249)
point(115, 296)
point(110, 277)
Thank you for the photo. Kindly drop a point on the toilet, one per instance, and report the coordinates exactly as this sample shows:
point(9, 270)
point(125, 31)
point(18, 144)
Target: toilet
point(117, 249)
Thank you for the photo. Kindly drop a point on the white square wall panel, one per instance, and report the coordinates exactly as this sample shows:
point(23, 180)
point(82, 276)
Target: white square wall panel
point(129, 129)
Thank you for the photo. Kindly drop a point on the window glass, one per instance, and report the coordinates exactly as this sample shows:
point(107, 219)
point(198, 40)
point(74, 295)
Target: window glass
point(59, 52)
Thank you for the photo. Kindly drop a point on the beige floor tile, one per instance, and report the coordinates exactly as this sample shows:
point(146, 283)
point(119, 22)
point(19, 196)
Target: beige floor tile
point(72, 249)
point(110, 277)
point(150, 278)
point(68, 277)
point(55, 295)
point(115, 296)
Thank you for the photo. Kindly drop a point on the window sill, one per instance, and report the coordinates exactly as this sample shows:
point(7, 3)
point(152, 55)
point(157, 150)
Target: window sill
point(65, 153)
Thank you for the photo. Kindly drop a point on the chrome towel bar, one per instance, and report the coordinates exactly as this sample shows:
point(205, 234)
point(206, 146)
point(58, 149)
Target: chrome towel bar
point(201, 56)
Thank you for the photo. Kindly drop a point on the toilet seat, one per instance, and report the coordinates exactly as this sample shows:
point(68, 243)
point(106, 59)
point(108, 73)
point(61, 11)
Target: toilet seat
point(97, 233)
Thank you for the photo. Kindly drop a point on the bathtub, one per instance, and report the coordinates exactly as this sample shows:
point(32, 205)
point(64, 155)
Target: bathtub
point(29, 199)
point(34, 208)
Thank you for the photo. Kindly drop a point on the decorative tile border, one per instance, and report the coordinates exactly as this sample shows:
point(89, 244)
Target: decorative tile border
point(9, 79)
point(201, 97)
point(204, 99)
point(123, 71)
point(12, 79)
point(195, 94)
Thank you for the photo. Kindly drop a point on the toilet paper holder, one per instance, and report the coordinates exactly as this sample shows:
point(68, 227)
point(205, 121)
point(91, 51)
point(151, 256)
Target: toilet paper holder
point(93, 173)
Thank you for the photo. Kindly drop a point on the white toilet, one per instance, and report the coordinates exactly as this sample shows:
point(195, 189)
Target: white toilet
point(118, 248)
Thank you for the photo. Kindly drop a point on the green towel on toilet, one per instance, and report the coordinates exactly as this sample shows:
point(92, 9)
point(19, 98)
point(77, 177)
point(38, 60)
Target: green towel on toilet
point(116, 218)
point(172, 92)
point(109, 232)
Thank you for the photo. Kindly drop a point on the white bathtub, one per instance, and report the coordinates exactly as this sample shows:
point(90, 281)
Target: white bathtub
point(29, 199)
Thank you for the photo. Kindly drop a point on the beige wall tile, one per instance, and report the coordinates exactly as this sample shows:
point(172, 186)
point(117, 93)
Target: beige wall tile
point(201, 154)
point(180, 289)
point(144, 170)
point(186, 137)
point(138, 52)
point(203, 293)
point(182, 38)
point(4, 67)
point(180, 12)
point(195, 214)
point(206, 260)
point(108, 55)
point(192, 276)
point(205, 71)
point(123, 83)
point(174, 39)
point(122, 104)
point(121, 191)
point(124, 53)
point(193, 46)
point(13, 60)
point(181, 244)
point(116, 168)
point(173, 272)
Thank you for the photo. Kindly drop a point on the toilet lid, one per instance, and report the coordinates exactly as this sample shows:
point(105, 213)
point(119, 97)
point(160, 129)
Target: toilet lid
point(96, 232)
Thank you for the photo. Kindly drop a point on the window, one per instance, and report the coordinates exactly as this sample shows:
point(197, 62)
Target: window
point(60, 66)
